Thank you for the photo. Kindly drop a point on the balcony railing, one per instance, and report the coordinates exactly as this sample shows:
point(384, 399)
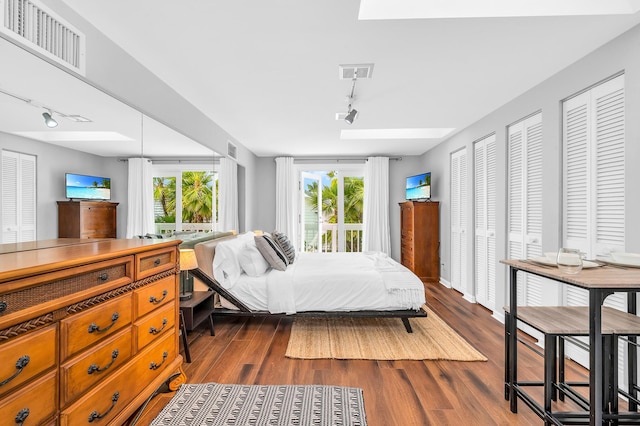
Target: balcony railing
point(352, 237)
point(168, 229)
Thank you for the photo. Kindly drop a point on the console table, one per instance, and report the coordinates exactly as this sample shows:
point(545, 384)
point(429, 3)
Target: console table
point(599, 282)
point(87, 330)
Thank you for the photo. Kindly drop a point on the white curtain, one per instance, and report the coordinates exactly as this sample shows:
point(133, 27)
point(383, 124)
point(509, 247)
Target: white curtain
point(140, 220)
point(228, 192)
point(285, 197)
point(377, 235)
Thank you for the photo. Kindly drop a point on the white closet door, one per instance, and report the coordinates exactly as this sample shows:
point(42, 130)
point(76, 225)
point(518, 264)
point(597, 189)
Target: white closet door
point(458, 219)
point(525, 202)
point(18, 194)
point(484, 210)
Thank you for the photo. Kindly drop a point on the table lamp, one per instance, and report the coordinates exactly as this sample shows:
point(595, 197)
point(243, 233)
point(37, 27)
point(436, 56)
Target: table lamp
point(188, 262)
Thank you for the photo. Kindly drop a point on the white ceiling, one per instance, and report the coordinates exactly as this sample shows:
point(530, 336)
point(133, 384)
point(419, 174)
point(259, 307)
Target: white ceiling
point(267, 71)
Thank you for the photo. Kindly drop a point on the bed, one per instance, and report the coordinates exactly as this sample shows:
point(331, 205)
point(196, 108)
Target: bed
point(332, 284)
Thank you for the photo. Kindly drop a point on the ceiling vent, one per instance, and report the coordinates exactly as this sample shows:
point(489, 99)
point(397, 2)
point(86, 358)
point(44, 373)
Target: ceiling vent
point(349, 72)
point(232, 150)
point(33, 25)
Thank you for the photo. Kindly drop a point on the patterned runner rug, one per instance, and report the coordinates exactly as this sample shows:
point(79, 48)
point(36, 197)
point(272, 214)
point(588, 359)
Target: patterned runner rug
point(214, 404)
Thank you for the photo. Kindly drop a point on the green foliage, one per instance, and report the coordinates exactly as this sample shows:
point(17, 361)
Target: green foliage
point(197, 197)
point(353, 199)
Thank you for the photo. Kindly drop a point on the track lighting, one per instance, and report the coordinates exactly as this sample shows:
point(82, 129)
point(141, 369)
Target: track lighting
point(48, 120)
point(351, 116)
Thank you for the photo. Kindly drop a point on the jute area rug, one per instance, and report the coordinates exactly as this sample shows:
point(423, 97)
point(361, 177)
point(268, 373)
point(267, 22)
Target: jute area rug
point(214, 404)
point(378, 339)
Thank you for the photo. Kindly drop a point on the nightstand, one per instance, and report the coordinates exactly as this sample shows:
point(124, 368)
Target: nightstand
point(193, 312)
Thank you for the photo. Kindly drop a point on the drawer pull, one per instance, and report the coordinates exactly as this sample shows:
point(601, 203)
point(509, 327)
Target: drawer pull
point(95, 415)
point(93, 367)
point(93, 327)
point(21, 363)
point(155, 301)
point(157, 262)
point(3, 306)
point(154, 330)
point(154, 366)
point(104, 276)
point(22, 416)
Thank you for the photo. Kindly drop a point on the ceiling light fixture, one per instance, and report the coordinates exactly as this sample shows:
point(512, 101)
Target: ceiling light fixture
point(48, 120)
point(352, 113)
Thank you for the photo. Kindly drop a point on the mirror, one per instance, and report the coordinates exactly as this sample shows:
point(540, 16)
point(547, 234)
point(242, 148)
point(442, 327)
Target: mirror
point(94, 132)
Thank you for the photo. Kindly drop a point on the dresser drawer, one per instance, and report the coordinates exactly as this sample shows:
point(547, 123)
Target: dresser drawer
point(27, 356)
point(84, 371)
point(34, 404)
point(120, 388)
point(88, 327)
point(150, 297)
point(155, 324)
point(154, 262)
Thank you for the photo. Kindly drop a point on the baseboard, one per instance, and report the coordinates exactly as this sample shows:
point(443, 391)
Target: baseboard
point(469, 298)
point(445, 283)
point(499, 316)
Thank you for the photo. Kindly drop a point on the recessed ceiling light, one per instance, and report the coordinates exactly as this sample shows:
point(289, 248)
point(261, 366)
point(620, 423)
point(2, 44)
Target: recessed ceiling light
point(431, 9)
point(419, 133)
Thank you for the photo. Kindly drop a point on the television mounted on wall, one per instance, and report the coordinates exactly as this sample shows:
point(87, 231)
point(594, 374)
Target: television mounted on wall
point(87, 187)
point(418, 187)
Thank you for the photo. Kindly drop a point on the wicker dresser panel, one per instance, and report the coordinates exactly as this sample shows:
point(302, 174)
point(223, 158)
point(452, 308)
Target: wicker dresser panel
point(33, 404)
point(27, 356)
point(86, 328)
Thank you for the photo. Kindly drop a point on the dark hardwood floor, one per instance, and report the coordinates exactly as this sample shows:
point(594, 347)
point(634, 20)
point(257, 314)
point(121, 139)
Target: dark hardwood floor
point(251, 351)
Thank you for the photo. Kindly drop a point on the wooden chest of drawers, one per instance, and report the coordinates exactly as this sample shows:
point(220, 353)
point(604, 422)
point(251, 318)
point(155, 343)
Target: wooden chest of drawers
point(420, 243)
point(87, 331)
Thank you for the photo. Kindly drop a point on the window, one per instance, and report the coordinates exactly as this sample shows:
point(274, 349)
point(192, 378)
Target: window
point(485, 220)
point(525, 201)
point(185, 198)
point(332, 206)
point(19, 208)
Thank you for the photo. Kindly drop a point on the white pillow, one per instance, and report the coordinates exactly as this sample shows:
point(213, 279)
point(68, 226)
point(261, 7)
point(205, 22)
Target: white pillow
point(252, 261)
point(226, 267)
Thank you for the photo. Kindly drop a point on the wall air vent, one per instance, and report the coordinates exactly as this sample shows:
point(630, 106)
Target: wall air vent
point(33, 25)
point(348, 72)
point(232, 150)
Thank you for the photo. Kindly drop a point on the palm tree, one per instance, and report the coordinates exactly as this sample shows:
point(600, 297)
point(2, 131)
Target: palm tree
point(164, 192)
point(197, 197)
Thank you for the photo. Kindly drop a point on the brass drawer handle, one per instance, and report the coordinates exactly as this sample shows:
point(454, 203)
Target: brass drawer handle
point(22, 416)
point(157, 262)
point(154, 330)
point(93, 367)
point(95, 415)
point(155, 301)
point(154, 366)
point(93, 327)
point(21, 363)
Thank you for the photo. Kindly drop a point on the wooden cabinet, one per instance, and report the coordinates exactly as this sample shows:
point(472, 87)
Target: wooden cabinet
point(419, 239)
point(86, 219)
point(90, 328)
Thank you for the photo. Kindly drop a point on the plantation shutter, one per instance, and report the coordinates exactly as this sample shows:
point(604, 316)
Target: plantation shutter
point(484, 209)
point(458, 219)
point(594, 164)
point(525, 201)
point(18, 195)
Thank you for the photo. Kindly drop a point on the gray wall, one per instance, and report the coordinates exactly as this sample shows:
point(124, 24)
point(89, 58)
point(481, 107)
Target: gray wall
point(52, 163)
point(618, 55)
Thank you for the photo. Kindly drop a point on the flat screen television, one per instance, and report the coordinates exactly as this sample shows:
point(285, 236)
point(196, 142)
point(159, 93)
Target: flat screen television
point(419, 187)
point(86, 187)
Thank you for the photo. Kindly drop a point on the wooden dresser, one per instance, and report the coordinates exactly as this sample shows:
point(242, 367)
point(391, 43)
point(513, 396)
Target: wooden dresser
point(86, 219)
point(420, 242)
point(87, 330)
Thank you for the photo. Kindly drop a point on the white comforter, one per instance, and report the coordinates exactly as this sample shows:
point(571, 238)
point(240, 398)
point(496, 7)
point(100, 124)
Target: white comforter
point(333, 282)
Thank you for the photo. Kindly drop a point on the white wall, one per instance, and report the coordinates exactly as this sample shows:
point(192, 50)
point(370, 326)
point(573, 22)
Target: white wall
point(52, 163)
point(617, 55)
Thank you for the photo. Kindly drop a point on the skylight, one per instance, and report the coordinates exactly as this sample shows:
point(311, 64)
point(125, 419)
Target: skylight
point(431, 9)
point(419, 133)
